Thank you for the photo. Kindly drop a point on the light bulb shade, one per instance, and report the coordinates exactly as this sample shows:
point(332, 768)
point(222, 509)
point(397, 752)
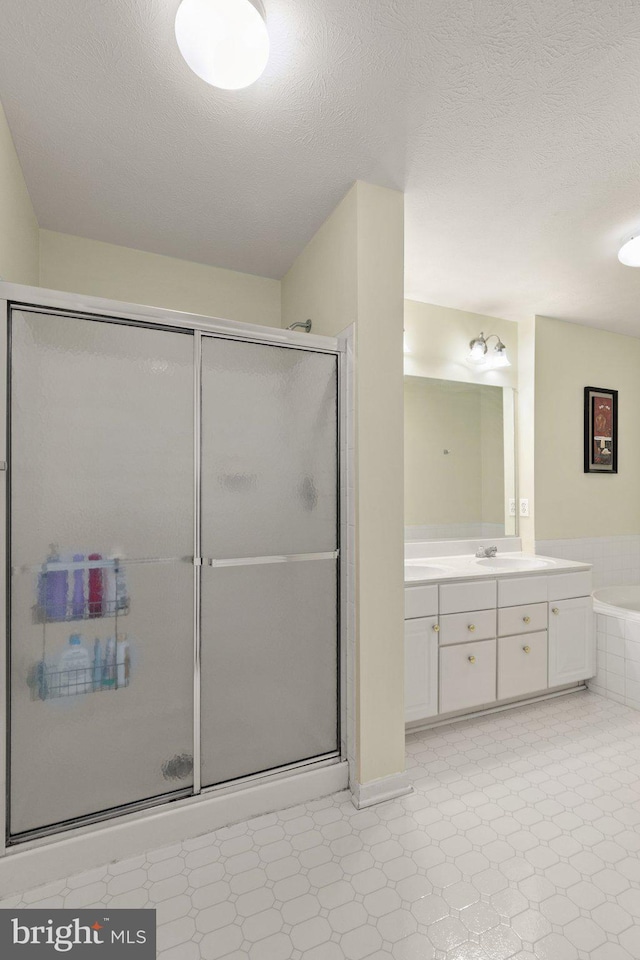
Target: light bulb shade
point(477, 351)
point(629, 252)
point(500, 358)
point(225, 42)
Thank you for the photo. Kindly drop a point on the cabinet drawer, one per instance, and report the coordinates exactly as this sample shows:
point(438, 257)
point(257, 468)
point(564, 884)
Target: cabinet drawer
point(566, 586)
point(463, 627)
point(460, 597)
point(526, 619)
point(420, 602)
point(522, 665)
point(521, 590)
point(467, 675)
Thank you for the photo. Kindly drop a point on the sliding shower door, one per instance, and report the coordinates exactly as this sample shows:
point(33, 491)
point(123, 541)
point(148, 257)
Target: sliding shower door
point(270, 570)
point(101, 541)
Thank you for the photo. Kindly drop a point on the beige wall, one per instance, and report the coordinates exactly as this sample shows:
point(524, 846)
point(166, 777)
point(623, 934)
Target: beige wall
point(121, 273)
point(321, 284)
point(18, 224)
point(438, 338)
point(526, 429)
point(569, 502)
point(353, 270)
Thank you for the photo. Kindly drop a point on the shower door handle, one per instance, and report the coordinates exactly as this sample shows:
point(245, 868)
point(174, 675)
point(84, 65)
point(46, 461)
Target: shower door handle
point(253, 561)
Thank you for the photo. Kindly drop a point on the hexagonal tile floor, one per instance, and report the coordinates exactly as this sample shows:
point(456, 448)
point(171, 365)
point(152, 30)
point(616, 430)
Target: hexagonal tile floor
point(520, 841)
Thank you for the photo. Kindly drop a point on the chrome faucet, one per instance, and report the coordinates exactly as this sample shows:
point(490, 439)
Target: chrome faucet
point(486, 551)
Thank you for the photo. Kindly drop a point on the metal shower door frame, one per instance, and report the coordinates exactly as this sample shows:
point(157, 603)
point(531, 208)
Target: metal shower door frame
point(35, 300)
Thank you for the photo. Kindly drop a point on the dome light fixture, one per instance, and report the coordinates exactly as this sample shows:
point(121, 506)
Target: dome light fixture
point(225, 42)
point(629, 252)
point(479, 355)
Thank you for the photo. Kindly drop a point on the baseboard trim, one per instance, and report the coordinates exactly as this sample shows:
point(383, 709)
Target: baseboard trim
point(420, 727)
point(377, 791)
point(24, 868)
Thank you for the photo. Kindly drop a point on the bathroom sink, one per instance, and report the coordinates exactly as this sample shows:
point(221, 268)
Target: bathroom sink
point(416, 570)
point(514, 563)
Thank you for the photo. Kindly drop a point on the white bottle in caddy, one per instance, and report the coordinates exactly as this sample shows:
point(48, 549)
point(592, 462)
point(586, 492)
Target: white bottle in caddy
point(74, 668)
point(122, 654)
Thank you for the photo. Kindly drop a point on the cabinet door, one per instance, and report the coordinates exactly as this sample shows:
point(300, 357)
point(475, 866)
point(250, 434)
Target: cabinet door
point(467, 675)
point(420, 668)
point(571, 641)
point(522, 664)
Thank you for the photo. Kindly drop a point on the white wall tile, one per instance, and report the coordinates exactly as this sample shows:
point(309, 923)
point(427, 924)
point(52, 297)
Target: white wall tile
point(615, 560)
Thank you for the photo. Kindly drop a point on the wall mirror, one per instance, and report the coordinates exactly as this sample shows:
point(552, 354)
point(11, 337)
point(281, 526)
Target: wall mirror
point(460, 469)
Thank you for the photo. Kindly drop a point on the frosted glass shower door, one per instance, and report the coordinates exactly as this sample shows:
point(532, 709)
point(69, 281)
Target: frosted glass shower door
point(269, 546)
point(101, 511)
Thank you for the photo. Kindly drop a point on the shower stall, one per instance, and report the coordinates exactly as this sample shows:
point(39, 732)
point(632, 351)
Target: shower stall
point(173, 559)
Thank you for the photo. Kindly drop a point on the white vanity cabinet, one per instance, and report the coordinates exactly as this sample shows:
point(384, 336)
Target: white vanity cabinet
point(470, 644)
point(571, 653)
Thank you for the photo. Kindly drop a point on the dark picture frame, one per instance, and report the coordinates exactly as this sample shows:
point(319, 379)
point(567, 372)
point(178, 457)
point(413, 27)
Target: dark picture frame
point(600, 430)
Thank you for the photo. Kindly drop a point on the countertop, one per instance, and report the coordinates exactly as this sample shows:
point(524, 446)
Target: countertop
point(434, 569)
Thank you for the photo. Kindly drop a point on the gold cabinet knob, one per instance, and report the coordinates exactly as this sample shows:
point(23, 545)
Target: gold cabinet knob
point(436, 627)
point(471, 659)
point(471, 627)
point(527, 649)
point(555, 610)
point(527, 619)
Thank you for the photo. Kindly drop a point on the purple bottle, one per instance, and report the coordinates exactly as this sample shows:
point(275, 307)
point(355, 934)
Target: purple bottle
point(77, 602)
point(56, 588)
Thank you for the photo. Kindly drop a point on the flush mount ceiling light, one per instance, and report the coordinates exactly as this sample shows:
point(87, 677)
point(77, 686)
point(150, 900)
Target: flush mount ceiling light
point(225, 42)
point(629, 252)
point(480, 356)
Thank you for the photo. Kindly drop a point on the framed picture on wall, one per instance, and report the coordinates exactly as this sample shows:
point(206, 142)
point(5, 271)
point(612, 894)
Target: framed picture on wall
point(600, 430)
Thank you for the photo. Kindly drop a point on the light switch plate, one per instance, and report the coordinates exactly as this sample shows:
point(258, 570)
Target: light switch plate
point(524, 507)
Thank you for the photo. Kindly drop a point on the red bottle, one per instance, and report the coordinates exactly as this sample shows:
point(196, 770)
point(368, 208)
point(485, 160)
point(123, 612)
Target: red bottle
point(96, 590)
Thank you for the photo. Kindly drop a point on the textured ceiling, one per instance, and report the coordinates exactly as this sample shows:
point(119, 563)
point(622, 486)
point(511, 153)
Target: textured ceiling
point(514, 129)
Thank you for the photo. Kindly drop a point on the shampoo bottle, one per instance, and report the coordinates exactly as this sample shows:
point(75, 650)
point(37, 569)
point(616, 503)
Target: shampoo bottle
point(123, 660)
point(75, 668)
point(56, 587)
point(96, 591)
point(77, 601)
point(109, 665)
point(97, 664)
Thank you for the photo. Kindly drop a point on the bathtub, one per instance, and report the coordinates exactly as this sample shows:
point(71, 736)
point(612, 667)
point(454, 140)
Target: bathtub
point(623, 602)
point(617, 624)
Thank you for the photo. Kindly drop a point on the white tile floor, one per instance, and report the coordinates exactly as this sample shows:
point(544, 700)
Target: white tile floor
point(521, 840)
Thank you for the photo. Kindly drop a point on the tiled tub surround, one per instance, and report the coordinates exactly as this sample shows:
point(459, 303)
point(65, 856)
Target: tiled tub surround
point(618, 658)
point(519, 842)
point(615, 560)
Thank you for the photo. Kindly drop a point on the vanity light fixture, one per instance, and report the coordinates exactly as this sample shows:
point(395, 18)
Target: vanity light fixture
point(629, 252)
point(480, 356)
point(225, 42)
